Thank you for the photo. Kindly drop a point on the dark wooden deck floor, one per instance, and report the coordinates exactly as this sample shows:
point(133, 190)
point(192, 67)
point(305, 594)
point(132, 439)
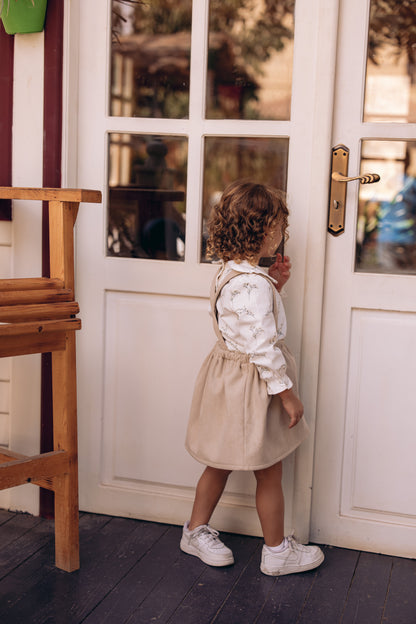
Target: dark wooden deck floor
point(133, 571)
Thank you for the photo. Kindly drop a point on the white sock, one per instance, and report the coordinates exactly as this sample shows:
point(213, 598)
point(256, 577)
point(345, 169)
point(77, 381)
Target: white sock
point(279, 548)
point(188, 530)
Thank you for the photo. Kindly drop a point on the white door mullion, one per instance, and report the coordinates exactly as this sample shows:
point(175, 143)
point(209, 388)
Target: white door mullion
point(194, 198)
point(198, 66)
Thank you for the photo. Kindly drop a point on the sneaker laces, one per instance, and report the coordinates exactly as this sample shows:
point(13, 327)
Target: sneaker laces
point(294, 545)
point(207, 534)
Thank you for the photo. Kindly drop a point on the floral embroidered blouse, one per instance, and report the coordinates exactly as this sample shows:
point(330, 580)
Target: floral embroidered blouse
point(247, 322)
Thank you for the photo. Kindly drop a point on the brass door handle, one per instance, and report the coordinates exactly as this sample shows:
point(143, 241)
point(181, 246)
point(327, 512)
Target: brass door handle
point(338, 188)
point(365, 178)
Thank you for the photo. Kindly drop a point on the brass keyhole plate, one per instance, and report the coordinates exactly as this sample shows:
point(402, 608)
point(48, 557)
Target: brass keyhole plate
point(338, 190)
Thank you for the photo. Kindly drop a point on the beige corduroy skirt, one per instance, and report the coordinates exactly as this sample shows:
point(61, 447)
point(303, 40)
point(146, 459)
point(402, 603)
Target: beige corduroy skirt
point(234, 424)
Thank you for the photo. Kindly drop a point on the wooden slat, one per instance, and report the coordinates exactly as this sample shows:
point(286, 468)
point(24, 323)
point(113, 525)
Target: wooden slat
point(28, 297)
point(17, 472)
point(47, 311)
point(29, 283)
point(48, 194)
point(6, 455)
point(23, 345)
point(39, 327)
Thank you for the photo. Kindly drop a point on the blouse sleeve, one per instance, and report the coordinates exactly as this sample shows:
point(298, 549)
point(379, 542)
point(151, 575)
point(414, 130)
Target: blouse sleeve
point(247, 323)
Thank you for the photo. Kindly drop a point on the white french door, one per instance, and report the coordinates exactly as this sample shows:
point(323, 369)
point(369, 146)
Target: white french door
point(146, 327)
point(365, 468)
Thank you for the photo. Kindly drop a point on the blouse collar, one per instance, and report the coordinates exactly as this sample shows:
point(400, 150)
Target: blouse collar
point(246, 267)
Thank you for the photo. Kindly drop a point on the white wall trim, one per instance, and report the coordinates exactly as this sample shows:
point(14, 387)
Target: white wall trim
point(26, 251)
point(70, 95)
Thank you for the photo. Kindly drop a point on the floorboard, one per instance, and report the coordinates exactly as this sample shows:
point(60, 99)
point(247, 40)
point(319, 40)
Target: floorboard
point(400, 607)
point(369, 589)
point(207, 596)
point(133, 572)
point(249, 595)
point(329, 592)
point(141, 581)
point(287, 598)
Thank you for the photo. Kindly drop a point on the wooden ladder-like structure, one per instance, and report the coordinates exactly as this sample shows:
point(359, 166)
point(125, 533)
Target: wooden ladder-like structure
point(38, 315)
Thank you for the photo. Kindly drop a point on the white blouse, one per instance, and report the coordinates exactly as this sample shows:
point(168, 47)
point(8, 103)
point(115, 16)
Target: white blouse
point(247, 322)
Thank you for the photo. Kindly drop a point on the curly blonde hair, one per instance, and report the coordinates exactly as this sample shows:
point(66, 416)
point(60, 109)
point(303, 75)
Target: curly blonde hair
point(240, 221)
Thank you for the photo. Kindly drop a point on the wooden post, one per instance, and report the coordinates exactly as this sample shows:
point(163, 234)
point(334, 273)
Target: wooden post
point(62, 217)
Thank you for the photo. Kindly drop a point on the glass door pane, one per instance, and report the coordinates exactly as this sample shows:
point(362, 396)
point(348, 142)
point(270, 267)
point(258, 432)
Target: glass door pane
point(386, 227)
point(250, 59)
point(391, 62)
point(231, 158)
point(147, 196)
point(150, 58)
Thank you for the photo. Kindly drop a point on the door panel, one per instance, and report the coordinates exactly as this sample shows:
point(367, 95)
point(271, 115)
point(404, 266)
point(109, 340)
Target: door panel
point(148, 370)
point(375, 444)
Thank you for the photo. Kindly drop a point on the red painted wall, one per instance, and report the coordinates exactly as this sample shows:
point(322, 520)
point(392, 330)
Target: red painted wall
point(6, 117)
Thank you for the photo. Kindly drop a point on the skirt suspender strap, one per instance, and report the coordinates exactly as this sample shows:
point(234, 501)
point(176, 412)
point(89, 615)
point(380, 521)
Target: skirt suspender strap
point(216, 286)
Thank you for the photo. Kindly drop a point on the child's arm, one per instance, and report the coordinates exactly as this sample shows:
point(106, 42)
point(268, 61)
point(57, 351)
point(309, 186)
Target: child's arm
point(293, 406)
point(280, 270)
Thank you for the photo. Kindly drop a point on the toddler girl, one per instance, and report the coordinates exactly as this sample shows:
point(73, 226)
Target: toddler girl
point(245, 413)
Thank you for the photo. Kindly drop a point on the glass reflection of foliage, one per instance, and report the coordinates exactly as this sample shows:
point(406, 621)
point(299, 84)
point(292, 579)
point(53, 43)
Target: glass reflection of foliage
point(151, 43)
point(393, 22)
point(151, 57)
point(243, 36)
point(231, 158)
point(390, 93)
point(117, 16)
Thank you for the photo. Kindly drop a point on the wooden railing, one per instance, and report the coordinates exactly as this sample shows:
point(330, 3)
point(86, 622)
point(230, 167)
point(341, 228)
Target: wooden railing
point(38, 315)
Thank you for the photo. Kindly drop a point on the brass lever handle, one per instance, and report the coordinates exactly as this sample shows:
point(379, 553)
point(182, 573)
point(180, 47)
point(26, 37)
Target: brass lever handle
point(366, 178)
point(338, 188)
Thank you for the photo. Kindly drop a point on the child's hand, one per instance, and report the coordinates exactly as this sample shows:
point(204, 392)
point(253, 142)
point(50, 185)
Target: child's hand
point(293, 407)
point(280, 270)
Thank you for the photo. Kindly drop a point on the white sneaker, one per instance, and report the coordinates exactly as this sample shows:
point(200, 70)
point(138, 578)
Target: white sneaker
point(294, 558)
point(203, 542)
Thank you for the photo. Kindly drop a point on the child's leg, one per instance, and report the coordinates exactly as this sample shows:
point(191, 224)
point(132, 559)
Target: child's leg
point(208, 492)
point(201, 540)
point(291, 557)
point(270, 503)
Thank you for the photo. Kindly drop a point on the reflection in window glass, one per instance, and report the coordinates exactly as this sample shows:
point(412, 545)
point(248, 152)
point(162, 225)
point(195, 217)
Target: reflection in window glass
point(390, 93)
point(386, 227)
point(146, 203)
point(227, 159)
point(250, 59)
point(150, 58)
